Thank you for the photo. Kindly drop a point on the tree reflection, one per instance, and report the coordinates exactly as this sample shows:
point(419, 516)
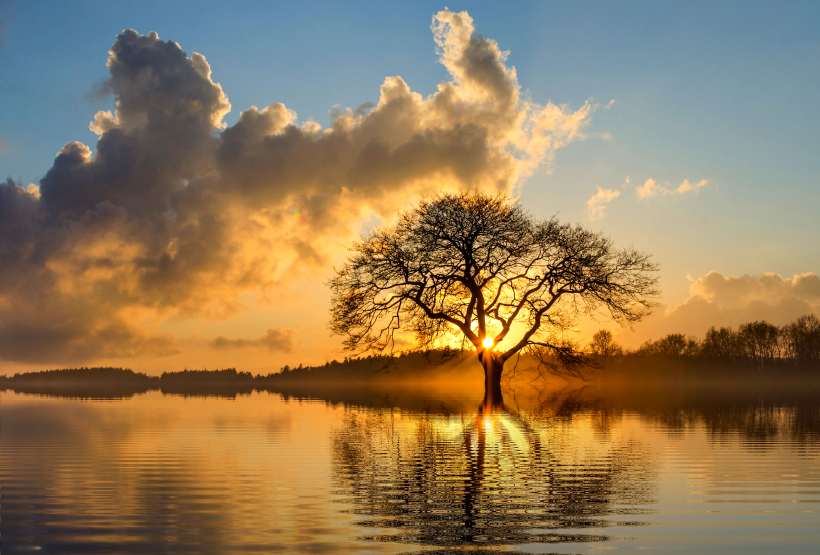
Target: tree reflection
point(488, 478)
point(753, 415)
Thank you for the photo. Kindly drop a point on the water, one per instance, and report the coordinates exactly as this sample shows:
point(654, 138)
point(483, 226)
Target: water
point(571, 472)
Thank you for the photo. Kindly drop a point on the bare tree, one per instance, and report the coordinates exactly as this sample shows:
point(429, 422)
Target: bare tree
point(603, 344)
point(478, 269)
point(673, 345)
point(760, 342)
point(721, 344)
point(801, 339)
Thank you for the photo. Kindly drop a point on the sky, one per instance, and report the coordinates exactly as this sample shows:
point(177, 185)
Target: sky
point(180, 199)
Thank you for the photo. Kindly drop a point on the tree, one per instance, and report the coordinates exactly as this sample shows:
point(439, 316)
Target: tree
point(470, 267)
point(801, 339)
point(673, 345)
point(760, 342)
point(603, 344)
point(721, 344)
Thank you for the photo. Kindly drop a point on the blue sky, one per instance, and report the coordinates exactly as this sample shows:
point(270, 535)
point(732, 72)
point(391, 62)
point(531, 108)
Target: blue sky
point(724, 91)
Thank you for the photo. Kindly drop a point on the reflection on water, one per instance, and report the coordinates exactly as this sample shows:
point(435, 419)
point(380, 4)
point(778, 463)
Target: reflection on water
point(575, 471)
point(497, 479)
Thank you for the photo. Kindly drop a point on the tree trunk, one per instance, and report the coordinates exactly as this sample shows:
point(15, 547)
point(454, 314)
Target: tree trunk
point(493, 367)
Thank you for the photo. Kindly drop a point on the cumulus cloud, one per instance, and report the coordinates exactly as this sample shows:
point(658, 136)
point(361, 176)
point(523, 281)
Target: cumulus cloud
point(719, 300)
point(652, 188)
point(275, 339)
point(738, 292)
point(596, 206)
point(175, 215)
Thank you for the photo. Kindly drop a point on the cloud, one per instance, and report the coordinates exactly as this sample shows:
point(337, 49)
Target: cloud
point(175, 215)
point(686, 186)
point(652, 188)
point(596, 206)
point(275, 339)
point(737, 292)
point(718, 300)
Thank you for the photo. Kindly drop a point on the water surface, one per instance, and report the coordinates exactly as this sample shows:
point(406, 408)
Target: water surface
point(575, 471)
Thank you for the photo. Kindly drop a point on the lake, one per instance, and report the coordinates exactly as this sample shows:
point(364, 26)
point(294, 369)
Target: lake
point(584, 470)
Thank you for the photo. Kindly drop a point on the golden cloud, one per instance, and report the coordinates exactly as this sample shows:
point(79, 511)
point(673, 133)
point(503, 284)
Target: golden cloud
point(176, 215)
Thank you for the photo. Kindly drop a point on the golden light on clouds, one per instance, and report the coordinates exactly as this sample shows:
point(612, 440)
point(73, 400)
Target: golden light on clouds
point(652, 188)
point(596, 206)
point(176, 215)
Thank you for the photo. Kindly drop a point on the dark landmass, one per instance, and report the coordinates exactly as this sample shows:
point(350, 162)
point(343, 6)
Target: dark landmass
point(446, 366)
point(82, 382)
point(370, 376)
point(674, 359)
point(222, 383)
point(678, 394)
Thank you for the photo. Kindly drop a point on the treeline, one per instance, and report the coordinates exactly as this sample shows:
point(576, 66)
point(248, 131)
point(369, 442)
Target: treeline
point(82, 382)
point(120, 382)
point(224, 382)
point(110, 382)
point(105, 374)
point(436, 365)
point(349, 369)
point(761, 347)
point(757, 344)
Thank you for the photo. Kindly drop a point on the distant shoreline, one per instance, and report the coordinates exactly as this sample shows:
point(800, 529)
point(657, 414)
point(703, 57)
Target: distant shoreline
point(378, 374)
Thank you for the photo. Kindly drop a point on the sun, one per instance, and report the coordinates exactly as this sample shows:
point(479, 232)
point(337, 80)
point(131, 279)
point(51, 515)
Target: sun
point(488, 342)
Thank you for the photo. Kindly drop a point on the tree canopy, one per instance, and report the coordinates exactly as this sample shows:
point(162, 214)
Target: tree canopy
point(477, 269)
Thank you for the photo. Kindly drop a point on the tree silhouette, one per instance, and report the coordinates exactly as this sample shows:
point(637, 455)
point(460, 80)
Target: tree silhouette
point(801, 339)
point(478, 269)
point(760, 343)
point(673, 345)
point(603, 344)
point(483, 481)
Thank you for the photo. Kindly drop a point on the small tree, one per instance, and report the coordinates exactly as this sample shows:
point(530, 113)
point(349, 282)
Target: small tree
point(477, 269)
point(603, 344)
point(673, 345)
point(721, 344)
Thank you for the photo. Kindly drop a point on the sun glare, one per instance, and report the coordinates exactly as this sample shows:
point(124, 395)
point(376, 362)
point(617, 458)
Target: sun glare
point(488, 342)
